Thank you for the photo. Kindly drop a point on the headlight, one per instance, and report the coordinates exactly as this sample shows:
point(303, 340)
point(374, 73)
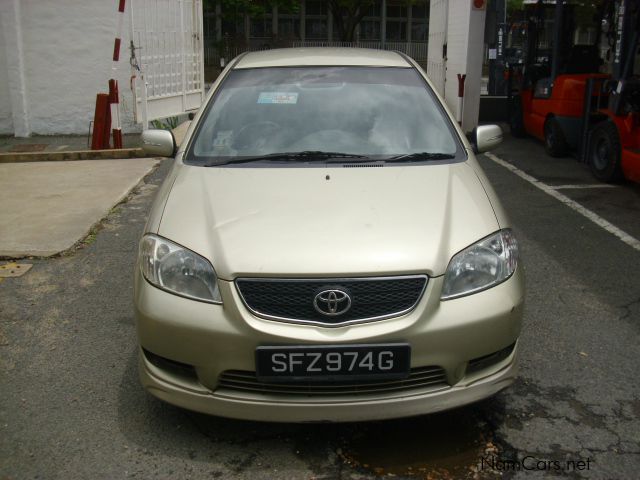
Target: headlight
point(177, 270)
point(483, 265)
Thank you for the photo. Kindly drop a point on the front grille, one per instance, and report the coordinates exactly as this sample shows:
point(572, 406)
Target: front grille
point(293, 299)
point(419, 378)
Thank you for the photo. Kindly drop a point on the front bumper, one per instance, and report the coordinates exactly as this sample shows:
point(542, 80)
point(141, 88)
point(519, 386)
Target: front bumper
point(212, 339)
point(282, 409)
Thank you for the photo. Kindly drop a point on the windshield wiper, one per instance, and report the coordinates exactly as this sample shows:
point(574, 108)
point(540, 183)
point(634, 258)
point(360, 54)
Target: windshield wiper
point(286, 157)
point(420, 156)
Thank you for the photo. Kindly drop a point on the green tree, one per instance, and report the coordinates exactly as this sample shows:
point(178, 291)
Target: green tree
point(515, 11)
point(231, 9)
point(348, 14)
point(513, 5)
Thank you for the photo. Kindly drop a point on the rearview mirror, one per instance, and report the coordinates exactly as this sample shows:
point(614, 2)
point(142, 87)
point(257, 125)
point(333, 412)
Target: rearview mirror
point(486, 137)
point(158, 143)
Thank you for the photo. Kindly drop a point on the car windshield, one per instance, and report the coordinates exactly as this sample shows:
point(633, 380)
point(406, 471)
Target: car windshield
point(314, 114)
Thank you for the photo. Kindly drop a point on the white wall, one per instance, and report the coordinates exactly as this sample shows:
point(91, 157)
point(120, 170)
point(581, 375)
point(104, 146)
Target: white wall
point(465, 47)
point(436, 63)
point(461, 26)
point(6, 120)
point(68, 45)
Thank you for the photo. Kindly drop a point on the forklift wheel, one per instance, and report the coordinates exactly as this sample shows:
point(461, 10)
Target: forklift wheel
point(604, 153)
point(554, 141)
point(516, 122)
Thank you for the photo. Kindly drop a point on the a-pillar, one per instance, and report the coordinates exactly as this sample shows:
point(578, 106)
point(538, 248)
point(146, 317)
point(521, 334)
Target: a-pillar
point(12, 31)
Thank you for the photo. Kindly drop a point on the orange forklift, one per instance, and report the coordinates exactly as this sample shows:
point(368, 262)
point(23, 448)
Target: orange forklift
point(565, 99)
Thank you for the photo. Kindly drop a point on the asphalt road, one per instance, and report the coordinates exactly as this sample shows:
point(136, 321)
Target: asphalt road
point(71, 405)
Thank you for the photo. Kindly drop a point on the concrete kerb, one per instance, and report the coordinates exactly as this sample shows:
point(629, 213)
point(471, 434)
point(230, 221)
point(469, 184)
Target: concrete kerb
point(71, 155)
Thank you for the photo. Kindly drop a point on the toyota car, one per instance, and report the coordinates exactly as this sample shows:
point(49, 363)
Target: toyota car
point(326, 248)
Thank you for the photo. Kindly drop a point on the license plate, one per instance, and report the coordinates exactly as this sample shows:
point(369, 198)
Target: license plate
point(333, 362)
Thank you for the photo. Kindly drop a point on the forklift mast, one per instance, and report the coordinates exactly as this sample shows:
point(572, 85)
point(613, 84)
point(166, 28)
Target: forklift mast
point(563, 27)
point(557, 38)
point(626, 39)
point(534, 21)
point(627, 27)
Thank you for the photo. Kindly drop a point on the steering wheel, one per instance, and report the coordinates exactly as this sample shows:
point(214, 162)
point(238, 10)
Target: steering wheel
point(255, 134)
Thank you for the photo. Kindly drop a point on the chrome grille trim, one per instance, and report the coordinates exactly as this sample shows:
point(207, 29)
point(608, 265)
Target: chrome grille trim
point(419, 378)
point(331, 281)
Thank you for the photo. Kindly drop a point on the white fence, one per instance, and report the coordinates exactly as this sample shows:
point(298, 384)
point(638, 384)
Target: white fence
point(167, 38)
point(212, 54)
point(417, 51)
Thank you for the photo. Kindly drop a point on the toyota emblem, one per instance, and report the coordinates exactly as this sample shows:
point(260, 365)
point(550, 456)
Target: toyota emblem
point(332, 302)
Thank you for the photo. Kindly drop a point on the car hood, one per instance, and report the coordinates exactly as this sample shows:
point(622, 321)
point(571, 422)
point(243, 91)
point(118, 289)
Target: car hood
point(327, 221)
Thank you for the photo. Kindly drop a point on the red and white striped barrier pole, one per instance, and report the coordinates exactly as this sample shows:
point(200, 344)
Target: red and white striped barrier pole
point(460, 113)
point(114, 99)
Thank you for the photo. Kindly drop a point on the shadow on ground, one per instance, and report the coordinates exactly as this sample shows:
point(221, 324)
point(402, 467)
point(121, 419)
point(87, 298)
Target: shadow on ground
point(447, 445)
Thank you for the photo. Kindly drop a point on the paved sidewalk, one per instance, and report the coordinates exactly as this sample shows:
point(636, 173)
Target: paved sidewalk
point(46, 207)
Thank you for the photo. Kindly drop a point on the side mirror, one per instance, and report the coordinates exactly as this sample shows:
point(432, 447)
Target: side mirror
point(486, 137)
point(158, 143)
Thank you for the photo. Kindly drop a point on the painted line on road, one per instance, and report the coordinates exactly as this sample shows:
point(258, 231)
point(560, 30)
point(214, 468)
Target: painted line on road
point(576, 187)
point(594, 217)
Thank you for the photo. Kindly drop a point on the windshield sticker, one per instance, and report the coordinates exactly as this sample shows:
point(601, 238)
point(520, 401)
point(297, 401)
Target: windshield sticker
point(281, 98)
point(222, 142)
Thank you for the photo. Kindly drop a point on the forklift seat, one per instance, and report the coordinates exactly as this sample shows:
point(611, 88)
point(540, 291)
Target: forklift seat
point(533, 73)
point(583, 59)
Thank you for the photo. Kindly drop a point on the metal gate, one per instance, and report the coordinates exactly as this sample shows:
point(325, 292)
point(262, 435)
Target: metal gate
point(437, 46)
point(166, 58)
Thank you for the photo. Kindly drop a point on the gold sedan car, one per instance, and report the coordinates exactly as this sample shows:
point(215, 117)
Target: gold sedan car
point(326, 248)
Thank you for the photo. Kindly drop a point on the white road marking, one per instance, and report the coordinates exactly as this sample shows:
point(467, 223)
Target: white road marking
point(594, 217)
point(570, 187)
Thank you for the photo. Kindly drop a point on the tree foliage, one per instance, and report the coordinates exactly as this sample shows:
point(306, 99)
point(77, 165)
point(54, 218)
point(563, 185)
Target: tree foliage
point(347, 14)
point(253, 8)
point(515, 10)
point(513, 5)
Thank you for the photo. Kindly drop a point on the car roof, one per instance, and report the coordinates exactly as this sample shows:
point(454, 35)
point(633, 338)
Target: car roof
point(294, 57)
